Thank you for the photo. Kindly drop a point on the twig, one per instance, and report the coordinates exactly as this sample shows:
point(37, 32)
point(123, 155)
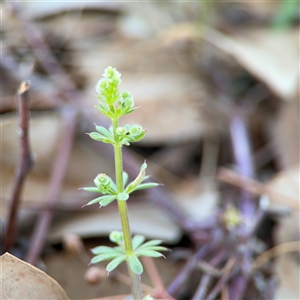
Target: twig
point(187, 269)
point(160, 290)
point(25, 163)
point(225, 292)
point(206, 279)
point(255, 187)
point(275, 251)
point(54, 188)
point(226, 275)
point(238, 286)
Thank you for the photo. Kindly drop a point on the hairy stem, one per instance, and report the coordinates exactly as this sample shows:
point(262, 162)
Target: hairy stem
point(135, 281)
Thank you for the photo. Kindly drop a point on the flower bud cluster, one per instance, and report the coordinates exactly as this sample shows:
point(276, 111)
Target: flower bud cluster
point(108, 87)
point(103, 183)
point(128, 134)
point(117, 237)
point(112, 102)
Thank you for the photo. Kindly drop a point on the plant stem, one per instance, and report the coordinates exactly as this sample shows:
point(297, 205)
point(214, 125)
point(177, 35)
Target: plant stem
point(135, 281)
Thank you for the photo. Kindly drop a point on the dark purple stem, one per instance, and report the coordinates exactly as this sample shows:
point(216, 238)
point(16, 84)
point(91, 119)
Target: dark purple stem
point(24, 165)
point(206, 279)
point(187, 269)
point(238, 287)
point(242, 156)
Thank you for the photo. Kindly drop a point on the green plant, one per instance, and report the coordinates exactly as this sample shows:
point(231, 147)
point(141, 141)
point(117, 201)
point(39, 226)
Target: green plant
point(114, 104)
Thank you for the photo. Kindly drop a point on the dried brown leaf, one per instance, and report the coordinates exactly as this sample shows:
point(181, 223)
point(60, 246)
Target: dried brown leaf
point(20, 280)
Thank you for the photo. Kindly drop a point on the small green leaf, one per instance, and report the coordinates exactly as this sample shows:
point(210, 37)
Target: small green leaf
point(131, 186)
point(104, 256)
point(125, 178)
point(103, 109)
point(144, 186)
point(101, 249)
point(144, 166)
point(154, 248)
point(149, 253)
point(151, 243)
point(97, 136)
point(135, 264)
point(107, 200)
point(108, 141)
point(137, 240)
point(113, 185)
point(104, 131)
point(99, 199)
point(91, 189)
point(128, 111)
point(123, 196)
point(115, 262)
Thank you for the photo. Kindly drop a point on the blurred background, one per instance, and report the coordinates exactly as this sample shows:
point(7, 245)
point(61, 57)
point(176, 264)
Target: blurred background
point(217, 86)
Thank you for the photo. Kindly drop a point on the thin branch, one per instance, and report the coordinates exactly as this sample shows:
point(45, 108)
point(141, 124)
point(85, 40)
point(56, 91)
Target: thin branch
point(25, 163)
point(225, 277)
point(187, 269)
point(255, 187)
point(275, 251)
point(206, 279)
point(160, 290)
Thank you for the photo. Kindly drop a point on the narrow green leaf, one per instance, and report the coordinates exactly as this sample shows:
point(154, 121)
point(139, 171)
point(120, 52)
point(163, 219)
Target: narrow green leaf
point(102, 108)
point(104, 256)
point(97, 200)
point(154, 248)
point(107, 200)
point(123, 196)
point(113, 185)
point(135, 264)
point(149, 253)
point(115, 262)
point(108, 141)
point(97, 136)
point(101, 249)
point(151, 243)
point(104, 131)
point(130, 110)
point(91, 189)
point(131, 186)
point(146, 177)
point(137, 240)
point(125, 178)
point(144, 186)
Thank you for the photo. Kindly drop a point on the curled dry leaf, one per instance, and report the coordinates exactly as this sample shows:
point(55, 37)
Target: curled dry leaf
point(20, 280)
point(267, 54)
